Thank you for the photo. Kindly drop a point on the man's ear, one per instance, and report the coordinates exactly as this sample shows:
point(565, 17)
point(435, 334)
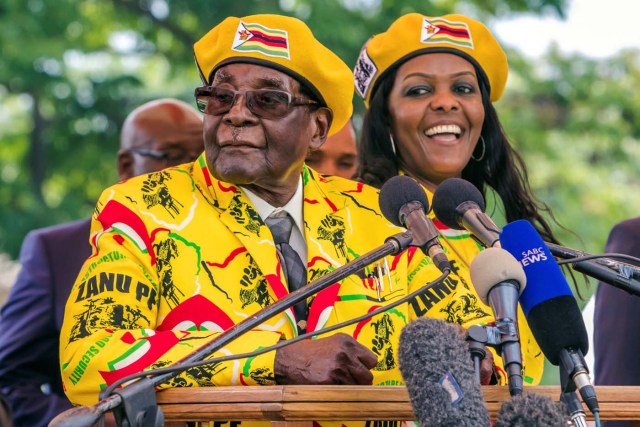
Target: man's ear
point(323, 118)
point(125, 164)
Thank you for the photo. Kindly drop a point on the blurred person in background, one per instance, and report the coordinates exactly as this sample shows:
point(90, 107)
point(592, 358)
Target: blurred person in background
point(154, 136)
point(338, 155)
point(616, 318)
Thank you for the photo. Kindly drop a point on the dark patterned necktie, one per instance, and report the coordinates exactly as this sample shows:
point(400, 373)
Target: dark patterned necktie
point(280, 224)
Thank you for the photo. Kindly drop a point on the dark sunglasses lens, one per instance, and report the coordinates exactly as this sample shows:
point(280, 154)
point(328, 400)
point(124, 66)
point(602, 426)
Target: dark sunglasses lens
point(220, 101)
point(269, 103)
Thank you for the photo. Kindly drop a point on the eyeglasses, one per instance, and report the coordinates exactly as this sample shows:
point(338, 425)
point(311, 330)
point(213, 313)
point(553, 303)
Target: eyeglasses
point(169, 157)
point(264, 103)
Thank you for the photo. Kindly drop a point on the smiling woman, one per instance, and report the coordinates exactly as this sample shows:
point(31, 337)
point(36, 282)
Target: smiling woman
point(436, 116)
point(429, 84)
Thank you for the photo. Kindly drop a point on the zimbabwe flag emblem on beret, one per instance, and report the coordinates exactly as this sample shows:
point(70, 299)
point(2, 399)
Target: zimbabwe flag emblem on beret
point(440, 30)
point(258, 38)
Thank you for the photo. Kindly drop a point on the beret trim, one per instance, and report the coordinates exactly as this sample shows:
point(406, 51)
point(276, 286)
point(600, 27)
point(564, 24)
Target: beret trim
point(481, 74)
point(266, 63)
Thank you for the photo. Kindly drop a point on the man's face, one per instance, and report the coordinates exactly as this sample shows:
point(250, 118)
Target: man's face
point(159, 135)
point(173, 147)
point(264, 154)
point(338, 155)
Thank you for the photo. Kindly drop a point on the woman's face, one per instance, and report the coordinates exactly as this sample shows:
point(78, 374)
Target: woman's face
point(436, 115)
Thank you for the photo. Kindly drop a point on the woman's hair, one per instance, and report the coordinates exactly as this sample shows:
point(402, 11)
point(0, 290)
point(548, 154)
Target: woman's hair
point(500, 168)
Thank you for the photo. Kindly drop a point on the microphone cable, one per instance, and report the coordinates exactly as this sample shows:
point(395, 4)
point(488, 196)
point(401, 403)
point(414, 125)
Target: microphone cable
point(598, 256)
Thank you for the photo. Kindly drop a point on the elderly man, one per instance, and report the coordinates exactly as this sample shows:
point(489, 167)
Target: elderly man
point(183, 254)
point(155, 135)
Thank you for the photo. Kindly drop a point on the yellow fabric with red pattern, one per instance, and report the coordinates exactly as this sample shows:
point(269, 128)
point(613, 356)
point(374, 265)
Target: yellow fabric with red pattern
point(179, 257)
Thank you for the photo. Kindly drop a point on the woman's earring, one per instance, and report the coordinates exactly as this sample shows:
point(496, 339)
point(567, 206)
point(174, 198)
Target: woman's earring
point(393, 144)
point(484, 150)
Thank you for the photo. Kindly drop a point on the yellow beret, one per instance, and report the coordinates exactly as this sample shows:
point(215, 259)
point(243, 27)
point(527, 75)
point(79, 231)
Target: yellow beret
point(285, 44)
point(414, 34)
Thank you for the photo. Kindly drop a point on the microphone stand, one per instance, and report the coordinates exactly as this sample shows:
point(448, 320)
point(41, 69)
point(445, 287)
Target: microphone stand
point(136, 403)
point(608, 276)
point(570, 398)
point(574, 375)
point(477, 338)
point(576, 412)
point(496, 335)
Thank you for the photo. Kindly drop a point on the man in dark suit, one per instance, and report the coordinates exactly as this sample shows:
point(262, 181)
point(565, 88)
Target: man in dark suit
point(617, 316)
point(154, 136)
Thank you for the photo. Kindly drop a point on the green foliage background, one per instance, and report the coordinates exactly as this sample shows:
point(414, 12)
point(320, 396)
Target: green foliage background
point(71, 70)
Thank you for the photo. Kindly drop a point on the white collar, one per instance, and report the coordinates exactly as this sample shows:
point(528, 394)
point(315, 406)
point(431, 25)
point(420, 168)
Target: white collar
point(293, 207)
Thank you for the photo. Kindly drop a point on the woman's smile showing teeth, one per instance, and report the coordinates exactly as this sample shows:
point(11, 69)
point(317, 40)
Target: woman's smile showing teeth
point(444, 130)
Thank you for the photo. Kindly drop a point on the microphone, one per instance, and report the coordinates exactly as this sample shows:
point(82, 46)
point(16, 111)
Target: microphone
point(531, 409)
point(608, 276)
point(499, 280)
point(458, 204)
point(435, 364)
point(550, 308)
point(404, 203)
point(624, 270)
point(615, 273)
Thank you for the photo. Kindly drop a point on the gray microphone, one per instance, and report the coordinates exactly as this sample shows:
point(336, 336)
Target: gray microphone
point(499, 280)
point(437, 369)
point(532, 409)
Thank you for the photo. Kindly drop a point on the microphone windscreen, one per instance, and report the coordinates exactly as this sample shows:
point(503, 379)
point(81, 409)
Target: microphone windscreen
point(450, 194)
point(397, 192)
point(529, 410)
point(548, 303)
point(493, 266)
point(436, 366)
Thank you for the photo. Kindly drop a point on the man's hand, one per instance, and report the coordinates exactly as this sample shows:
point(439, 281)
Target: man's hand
point(486, 369)
point(486, 365)
point(338, 359)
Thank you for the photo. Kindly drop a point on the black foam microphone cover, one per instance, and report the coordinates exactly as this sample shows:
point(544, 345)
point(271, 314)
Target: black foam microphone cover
point(557, 324)
point(436, 366)
point(397, 192)
point(449, 195)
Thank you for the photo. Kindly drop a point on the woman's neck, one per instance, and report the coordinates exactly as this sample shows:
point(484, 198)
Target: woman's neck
point(422, 181)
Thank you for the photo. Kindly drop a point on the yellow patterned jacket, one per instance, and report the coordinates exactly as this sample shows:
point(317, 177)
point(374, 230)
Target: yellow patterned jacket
point(179, 256)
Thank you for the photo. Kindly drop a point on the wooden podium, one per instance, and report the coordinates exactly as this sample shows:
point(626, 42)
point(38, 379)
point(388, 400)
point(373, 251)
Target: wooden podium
point(297, 406)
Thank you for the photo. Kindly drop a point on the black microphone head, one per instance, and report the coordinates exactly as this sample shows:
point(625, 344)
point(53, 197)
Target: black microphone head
point(436, 365)
point(532, 410)
point(397, 192)
point(557, 324)
point(450, 194)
